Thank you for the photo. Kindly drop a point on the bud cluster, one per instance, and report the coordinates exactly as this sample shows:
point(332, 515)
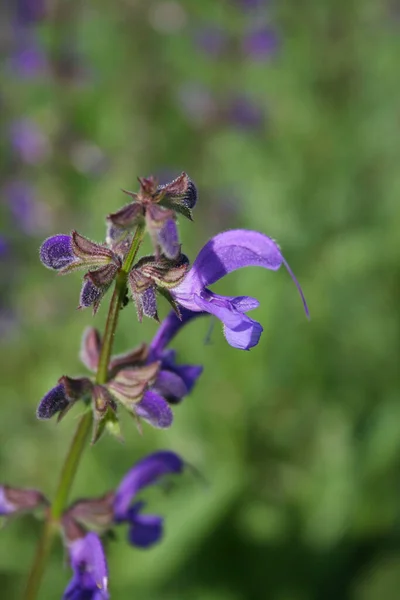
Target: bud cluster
point(153, 206)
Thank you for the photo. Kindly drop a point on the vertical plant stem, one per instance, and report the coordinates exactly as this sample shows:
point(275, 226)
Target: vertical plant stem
point(80, 438)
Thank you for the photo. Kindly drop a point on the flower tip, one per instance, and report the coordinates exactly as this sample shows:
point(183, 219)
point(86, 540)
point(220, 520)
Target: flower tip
point(297, 284)
point(56, 252)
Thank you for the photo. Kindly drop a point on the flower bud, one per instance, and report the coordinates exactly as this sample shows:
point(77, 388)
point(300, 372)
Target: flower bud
point(18, 500)
point(56, 252)
point(180, 195)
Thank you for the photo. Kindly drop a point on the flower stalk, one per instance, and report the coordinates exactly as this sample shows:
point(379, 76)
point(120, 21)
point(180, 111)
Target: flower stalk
point(82, 432)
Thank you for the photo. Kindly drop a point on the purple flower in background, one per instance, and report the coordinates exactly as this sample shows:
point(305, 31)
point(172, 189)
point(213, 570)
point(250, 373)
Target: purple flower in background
point(29, 59)
point(211, 41)
point(260, 43)
point(223, 254)
point(4, 247)
point(144, 530)
point(29, 142)
point(90, 573)
point(32, 216)
point(243, 112)
point(29, 12)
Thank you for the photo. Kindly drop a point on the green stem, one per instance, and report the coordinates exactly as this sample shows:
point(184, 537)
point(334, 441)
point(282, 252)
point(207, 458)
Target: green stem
point(80, 438)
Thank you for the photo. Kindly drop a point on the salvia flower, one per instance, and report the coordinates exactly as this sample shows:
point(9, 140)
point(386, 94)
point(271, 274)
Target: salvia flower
point(121, 506)
point(90, 572)
point(156, 205)
point(19, 500)
point(145, 384)
point(144, 530)
point(223, 254)
point(67, 253)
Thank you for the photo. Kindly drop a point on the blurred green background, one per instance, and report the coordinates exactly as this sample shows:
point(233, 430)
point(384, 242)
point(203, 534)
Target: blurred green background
point(286, 115)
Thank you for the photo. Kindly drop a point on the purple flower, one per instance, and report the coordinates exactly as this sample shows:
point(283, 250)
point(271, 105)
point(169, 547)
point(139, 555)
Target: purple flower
point(90, 573)
point(243, 112)
point(211, 41)
point(223, 254)
point(144, 530)
point(4, 247)
point(29, 59)
point(174, 381)
point(31, 215)
point(29, 141)
point(260, 43)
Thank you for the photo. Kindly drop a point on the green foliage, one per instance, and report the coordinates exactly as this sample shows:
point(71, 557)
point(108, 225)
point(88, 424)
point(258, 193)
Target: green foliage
point(299, 439)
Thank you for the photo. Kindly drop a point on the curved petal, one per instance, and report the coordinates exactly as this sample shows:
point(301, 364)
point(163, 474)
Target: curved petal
point(155, 410)
point(227, 252)
point(168, 329)
point(188, 373)
point(240, 330)
point(144, 530)
point(170, 386)
point(144, 473)
point(245, 336)
point(88, 561)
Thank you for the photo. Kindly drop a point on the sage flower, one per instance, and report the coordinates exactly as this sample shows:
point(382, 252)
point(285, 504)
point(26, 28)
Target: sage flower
point(227, 252)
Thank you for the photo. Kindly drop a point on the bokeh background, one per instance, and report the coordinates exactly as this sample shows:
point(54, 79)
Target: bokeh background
point(286, 115)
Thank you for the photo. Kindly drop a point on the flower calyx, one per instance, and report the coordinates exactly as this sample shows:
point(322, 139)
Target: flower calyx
point(66, 254)
point(152, 274)
point(156, 205)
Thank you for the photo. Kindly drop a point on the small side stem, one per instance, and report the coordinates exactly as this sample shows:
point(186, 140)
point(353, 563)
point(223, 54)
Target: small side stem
point(80, 438)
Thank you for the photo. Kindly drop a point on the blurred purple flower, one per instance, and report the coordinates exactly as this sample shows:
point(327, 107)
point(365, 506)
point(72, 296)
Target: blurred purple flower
point(244, 113)
point(29, 12)
point(260, 43)
point(4, 247)
point(144, 530)
point(90, 572)
point(29, 60)
point(211, 41)
point(29, 142)
point(32, 216)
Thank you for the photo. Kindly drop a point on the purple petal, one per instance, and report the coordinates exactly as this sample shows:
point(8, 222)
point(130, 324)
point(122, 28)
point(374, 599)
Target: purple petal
point(170, 386)
point(88, 561)
point(146, 472)
point(6, 507)
point(261, 43)
point(227, 252)
point(168, 329)
point(53, 402)
point(155, 410)
point(144, 530)
point(189, 374)
point(169, 240)
point(240, 330)
point(56, 252)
